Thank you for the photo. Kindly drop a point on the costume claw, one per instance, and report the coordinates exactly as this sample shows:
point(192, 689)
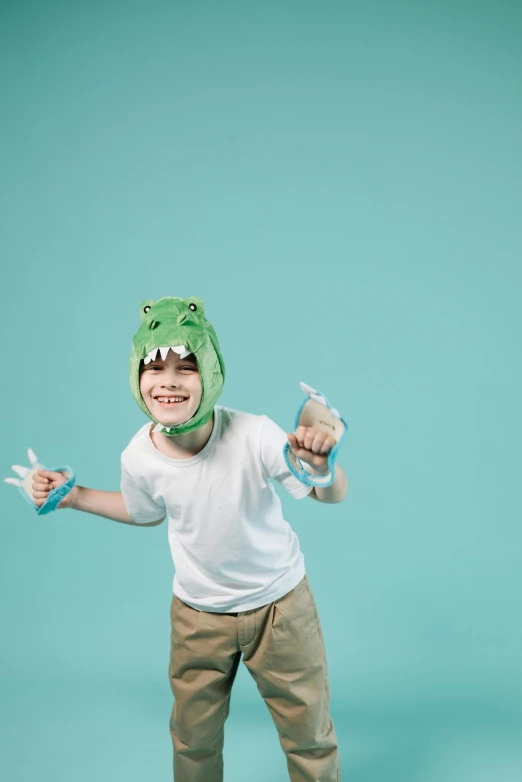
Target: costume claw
point(19, 470)
point(308, 390)
point(22, 471)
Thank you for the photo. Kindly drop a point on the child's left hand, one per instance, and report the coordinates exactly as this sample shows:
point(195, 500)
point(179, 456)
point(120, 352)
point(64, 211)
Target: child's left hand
point(312, 445)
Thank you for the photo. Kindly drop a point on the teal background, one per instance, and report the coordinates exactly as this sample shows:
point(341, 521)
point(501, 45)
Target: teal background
point(341, 184)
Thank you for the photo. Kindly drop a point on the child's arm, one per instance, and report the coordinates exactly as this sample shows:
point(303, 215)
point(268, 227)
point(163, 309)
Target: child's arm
point(319, 431)
point(337, 490)
point(108, 504)
point(311, 445)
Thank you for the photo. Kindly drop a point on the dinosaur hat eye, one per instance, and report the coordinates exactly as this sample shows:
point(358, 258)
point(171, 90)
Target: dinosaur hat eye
point(192, 307)
point(147, 308)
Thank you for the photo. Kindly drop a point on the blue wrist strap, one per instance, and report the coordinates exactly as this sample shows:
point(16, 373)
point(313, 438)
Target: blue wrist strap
point(55, 496)
point(326, 418)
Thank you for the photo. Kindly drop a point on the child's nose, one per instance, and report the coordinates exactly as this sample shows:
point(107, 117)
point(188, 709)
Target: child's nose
point(171, 378)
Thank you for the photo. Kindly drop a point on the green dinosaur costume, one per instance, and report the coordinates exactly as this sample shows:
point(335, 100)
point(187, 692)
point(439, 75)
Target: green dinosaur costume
point(179, 325)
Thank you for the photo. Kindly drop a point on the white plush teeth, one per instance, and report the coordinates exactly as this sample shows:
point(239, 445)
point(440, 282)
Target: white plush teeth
point(32, 456)
point(320, 399)
point(335, 413)
point(181, 350)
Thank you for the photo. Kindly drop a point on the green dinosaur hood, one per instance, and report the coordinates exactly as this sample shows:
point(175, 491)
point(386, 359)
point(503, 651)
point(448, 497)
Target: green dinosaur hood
point(179, 324)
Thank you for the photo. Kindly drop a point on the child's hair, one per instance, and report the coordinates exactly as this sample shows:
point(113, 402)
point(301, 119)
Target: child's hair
point(191, 357)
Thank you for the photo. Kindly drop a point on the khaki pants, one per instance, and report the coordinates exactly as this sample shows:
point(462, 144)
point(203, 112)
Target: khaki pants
point(283, 648)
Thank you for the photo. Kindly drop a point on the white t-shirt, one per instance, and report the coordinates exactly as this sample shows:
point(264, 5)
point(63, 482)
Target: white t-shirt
point(232, 549)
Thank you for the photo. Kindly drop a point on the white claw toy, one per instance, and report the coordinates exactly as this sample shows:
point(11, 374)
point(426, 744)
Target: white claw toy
point(317, 411)
point(25, 482)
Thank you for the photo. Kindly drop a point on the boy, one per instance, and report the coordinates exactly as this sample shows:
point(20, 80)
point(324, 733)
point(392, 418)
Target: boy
point(240, 587)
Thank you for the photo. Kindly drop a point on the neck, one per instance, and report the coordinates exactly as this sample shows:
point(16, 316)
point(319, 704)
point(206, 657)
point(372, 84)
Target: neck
point(183, 446)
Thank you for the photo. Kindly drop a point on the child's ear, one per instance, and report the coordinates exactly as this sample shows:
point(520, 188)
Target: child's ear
point(145, 308)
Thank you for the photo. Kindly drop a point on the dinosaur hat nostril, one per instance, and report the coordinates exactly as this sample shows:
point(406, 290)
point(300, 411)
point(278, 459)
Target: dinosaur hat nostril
point(182, 318)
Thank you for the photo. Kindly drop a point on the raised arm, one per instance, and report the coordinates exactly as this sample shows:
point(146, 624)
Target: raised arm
point(36, 483)
point(319, 431)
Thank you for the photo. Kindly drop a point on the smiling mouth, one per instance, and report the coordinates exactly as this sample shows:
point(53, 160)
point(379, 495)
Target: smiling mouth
point(167, 401)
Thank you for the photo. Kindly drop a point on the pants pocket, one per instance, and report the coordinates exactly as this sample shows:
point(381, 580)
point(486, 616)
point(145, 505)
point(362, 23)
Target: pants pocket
point(295, 624)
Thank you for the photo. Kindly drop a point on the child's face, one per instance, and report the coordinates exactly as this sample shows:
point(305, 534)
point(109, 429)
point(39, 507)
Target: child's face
point(173, 378)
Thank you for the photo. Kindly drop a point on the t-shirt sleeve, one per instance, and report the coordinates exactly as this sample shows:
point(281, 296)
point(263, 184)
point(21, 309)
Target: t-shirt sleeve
point(141, 506)
point(273, 439)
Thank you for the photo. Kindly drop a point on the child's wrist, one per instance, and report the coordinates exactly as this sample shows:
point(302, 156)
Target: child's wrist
point(320, 471)
point(73, 497)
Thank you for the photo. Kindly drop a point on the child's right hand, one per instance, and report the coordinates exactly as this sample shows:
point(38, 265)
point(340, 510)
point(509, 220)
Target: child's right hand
point(46, 480)
point(37, 482)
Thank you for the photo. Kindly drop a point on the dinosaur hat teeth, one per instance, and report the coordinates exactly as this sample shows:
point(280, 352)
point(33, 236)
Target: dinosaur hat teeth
point(180, 349)
point(179, 325)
